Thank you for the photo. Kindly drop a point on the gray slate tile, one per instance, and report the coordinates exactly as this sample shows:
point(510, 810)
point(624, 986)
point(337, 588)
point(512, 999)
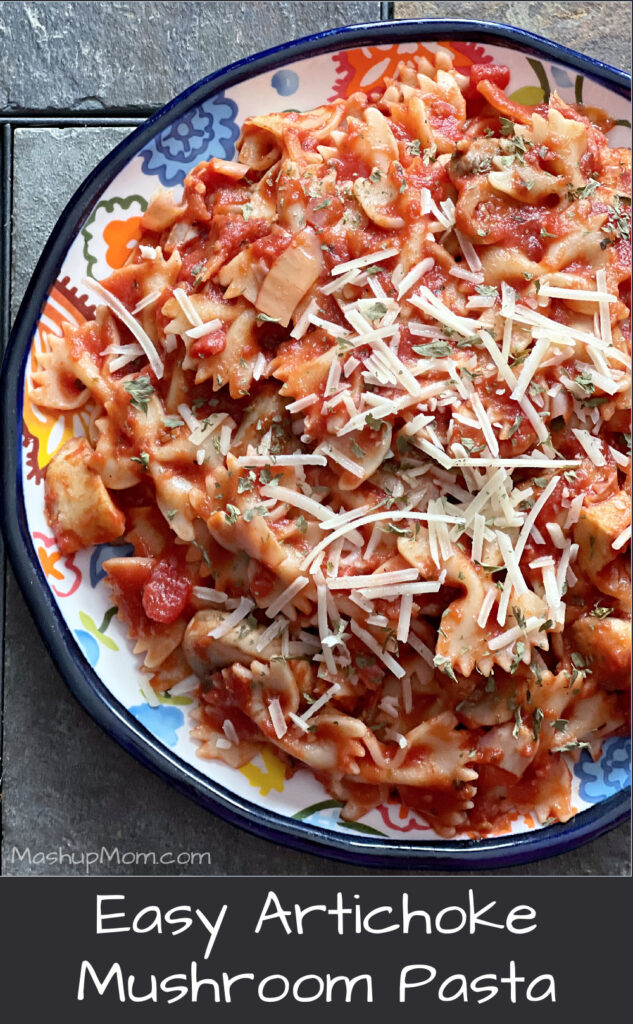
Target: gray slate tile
point(50, 164)
point(85, 55)
point(598, 29)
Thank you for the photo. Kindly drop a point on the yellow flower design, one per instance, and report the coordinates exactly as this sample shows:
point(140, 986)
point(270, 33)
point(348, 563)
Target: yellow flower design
point(273, 778)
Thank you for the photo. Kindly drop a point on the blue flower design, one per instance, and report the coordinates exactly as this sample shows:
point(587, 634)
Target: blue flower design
point(163, 722)
point(207, 130)
point(561, 77)
point(89, 646)
point(100, 554)
point(607, 776)
point(285, 82)
point(328, 818)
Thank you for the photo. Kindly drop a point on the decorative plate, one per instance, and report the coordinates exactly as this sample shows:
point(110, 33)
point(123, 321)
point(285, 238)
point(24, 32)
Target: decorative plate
point(66, 594)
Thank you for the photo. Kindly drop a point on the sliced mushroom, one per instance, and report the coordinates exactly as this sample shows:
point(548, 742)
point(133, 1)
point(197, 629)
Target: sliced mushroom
point(207, 655)
point(290, 277)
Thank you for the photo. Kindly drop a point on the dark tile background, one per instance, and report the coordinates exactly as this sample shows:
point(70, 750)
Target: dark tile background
point(67, 787)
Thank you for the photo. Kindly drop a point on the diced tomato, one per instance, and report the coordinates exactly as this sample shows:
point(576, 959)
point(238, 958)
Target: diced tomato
point(234, 232)
point(498, 74)
point(270, 246)
point(208, 345)
point(166, 593)
point(262, 583)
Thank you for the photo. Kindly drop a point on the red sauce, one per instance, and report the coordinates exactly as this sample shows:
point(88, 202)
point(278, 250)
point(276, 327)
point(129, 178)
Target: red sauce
point(443, 120)
point(125, 284)
point(234, 232)
point(271, 246)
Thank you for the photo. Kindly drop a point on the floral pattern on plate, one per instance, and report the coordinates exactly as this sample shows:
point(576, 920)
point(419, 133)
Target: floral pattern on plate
point(211, 129)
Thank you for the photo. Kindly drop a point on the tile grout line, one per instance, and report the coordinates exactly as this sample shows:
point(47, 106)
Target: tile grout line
point(45, 119)
point(6, 184)
point(6, 167)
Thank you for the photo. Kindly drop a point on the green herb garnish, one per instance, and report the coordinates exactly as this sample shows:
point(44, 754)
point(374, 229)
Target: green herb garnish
point(140, 392)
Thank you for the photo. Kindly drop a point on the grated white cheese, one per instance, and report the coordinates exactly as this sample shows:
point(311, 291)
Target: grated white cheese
point(622, 539)
point(556, 533)
point(542, 562)
point(281, 460)
point(225, 439)
point(574, 510)
point(209, 594)
point(605, 317)
point(466, 275)
point(298, 722)
point(529, 368)
point(377, 517)
point(343, 460)
point(373, 645)
point(414, 275)
point(303, 322)
point(407, 695)
point(243, 609)
point(365, 261)
point(420, 648)
point(619, 458)
point(485, 424)
point(286, 596)
point(591, 445)
point(277, 719)
point(321, 701)
point(469, 251)
point(399, 590)
point(569, 554)
point(148, 693)
point(511, 563)
point(478, 537)
point(515, 633)
point(186, 686)
point(202, 329)
point(486, 608)
point(377, 579)
point(302, 403)
point(552, 590)
point(230, 731)
point(259, 366)
point(334, 375)
point(547, 291)
point(119, 310)
point(532, 516)
point(271, 633)
point(149, 300)
point(187, 307)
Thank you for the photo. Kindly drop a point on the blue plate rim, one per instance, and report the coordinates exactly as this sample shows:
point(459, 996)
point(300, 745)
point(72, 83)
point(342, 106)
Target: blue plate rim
point(84, 683)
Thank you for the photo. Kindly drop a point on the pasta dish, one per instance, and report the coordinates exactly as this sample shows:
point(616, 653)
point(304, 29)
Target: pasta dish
point(359, 401)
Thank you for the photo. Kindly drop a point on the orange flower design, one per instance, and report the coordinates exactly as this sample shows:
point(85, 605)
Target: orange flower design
point(45, 431)
point(117, 235)
point(68, 574)
point(48, 561)
point(364, 67)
